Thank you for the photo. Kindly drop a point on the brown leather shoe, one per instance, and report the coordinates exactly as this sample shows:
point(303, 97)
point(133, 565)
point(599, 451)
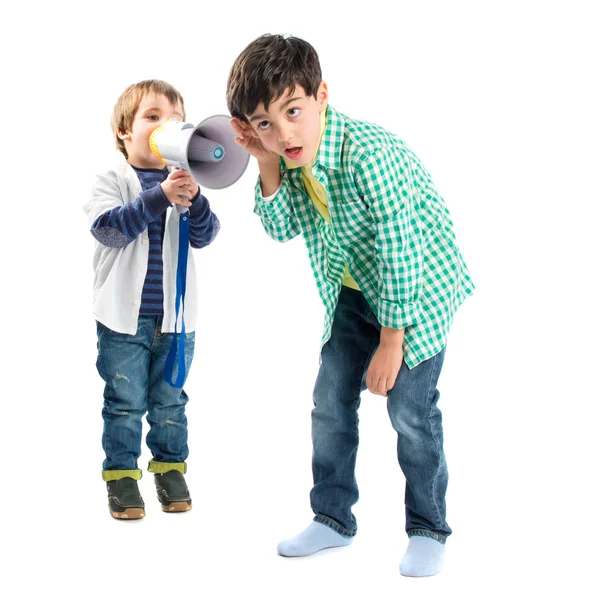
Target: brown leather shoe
point(172, 491)
point(124, 500)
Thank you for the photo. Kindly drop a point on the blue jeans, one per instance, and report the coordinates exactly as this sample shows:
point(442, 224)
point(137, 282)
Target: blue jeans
point(413, 411)
point(133, 366)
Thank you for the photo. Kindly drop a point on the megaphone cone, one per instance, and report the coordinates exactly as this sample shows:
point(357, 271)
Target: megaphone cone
point(208, 151)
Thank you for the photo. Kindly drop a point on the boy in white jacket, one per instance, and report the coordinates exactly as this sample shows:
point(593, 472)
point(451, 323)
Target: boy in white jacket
point(141, 216)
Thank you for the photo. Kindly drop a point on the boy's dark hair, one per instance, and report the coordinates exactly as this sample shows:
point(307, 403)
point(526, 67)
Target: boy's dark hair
point(266, 68)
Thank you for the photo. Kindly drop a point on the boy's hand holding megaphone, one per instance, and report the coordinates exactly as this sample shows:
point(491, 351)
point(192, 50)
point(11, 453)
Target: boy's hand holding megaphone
point(180, 187)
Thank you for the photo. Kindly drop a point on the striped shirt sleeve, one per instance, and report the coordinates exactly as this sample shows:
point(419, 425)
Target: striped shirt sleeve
point(204, 224)
point(121, 225)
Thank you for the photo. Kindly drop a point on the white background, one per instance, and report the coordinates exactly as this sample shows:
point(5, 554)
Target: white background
point(500, 101)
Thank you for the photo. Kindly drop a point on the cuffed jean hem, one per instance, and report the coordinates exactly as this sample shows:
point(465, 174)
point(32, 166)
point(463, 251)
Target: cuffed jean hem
point(114, 474)
point(165, 467)
point(334, 525)
point(434, 535)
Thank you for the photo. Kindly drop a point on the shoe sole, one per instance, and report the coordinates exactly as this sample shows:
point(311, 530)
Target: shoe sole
point(128, 514)
point(176, 507)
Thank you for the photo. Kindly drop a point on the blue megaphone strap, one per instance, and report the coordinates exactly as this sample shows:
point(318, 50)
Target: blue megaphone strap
point(178, 345)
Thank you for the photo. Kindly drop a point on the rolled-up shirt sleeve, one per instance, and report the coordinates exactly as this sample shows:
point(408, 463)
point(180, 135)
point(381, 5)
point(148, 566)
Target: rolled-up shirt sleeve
point(384, 180)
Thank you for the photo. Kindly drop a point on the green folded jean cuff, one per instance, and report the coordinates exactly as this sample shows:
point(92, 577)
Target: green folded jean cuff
point(165, 467)
point(117, 474)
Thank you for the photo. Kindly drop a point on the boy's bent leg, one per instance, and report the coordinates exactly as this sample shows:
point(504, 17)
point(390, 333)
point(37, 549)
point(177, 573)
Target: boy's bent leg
point(336, 398)
point(413, 410)
point(335, 428)
point(122, 363)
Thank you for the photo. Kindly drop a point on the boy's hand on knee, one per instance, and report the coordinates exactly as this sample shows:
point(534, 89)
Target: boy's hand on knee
point(386, 362)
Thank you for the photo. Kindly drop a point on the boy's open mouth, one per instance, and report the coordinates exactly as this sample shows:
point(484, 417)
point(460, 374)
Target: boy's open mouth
point(294, 153)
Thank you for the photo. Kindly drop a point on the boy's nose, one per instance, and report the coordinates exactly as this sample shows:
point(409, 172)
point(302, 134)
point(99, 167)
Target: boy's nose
point(284, 134)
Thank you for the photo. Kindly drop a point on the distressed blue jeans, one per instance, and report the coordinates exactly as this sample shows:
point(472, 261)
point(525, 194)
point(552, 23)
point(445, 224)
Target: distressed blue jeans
point(414, 414)
point(132, 367)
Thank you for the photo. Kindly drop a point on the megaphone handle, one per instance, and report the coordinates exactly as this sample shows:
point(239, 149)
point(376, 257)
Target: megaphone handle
point(181, 195)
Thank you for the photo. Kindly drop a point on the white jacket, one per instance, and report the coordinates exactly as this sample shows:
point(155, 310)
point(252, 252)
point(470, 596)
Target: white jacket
point(119, 273)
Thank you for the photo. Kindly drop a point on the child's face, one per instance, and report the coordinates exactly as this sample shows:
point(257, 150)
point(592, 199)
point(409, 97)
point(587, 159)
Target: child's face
point(291, 127)
point(154, 110)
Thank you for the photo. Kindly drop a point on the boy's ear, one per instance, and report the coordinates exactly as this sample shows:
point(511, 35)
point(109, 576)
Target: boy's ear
point(124, 135)
point(322, 95)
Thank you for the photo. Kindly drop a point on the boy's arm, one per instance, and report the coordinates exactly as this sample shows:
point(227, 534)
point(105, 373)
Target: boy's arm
point(115, 223)
point(385, 180)
point(204, 224)
point(272, 193)
point(274, 203)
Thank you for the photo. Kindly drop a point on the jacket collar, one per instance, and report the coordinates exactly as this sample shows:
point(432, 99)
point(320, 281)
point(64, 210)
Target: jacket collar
point(127, 172)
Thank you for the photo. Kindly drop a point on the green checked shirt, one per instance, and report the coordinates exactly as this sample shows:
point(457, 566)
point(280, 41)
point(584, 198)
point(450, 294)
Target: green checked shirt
point(387, 223)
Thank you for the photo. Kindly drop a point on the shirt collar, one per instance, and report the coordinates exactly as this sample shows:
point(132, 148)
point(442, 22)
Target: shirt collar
point(330, 148)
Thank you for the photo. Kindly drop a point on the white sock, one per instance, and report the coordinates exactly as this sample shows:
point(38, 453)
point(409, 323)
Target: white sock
point(424, 557)
point(314, 538)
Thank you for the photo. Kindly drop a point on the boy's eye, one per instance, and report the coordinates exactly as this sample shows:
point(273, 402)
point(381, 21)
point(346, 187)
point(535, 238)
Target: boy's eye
point(263, 125)
point(153, 117)
point(294, 112)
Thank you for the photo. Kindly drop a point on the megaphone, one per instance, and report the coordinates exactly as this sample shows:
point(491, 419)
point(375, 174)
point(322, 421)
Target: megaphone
point(208, 151)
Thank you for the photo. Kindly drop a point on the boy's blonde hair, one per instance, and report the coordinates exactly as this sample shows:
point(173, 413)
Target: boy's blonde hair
point(130, 100)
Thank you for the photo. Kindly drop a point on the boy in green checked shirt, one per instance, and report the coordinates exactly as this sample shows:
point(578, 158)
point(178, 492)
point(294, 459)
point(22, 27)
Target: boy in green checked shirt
point(388, 270)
